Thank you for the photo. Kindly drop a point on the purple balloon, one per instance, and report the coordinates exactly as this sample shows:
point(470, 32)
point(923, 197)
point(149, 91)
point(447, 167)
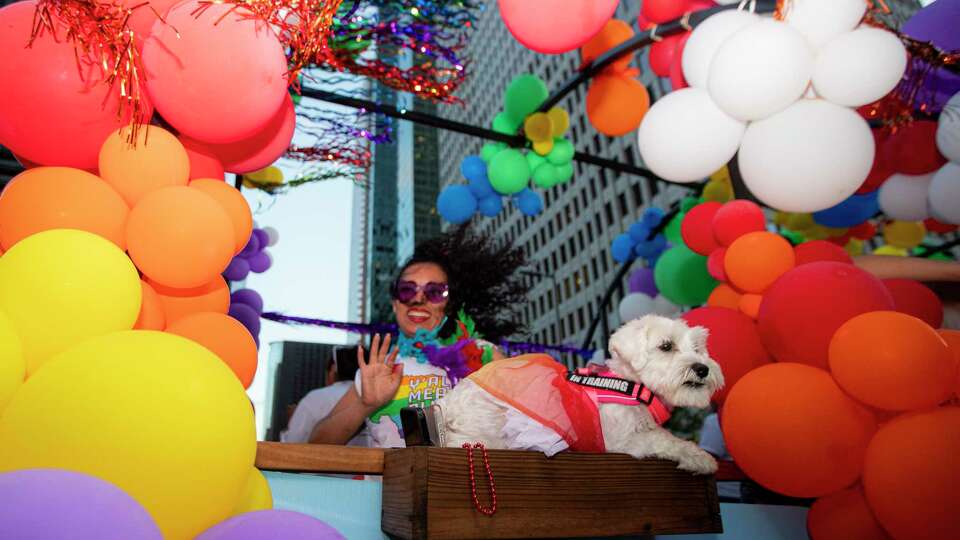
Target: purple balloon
point(237, 269)
point(247, 316)
point(938, 23)
point(265, 524)
point(252, 248)
point(249, 297)
point(262, 237)
point(38, 504)
point(260, 262)
point(641, 281)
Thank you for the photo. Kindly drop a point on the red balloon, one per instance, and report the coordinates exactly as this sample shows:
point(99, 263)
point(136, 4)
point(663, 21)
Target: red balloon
point(697, 228)
point(677, 81)
point(265, 147)
point(821, 250)
point(864, 231)
point(882, 167)
point(197, 80)
point(734, 343)
point(735, 219)
point(913, 148)
point(715, 264)
point(204, 163)
point(143, 18)
point(661, 54)
point(50, 115)
point(555, 26)
point(804, 308)
point(661, 11)
point(914, 298)
point(935, 226)
point(844, 515)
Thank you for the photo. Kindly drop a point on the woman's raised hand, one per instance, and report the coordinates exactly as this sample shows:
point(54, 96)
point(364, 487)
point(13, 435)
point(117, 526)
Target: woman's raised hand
point(380, 375)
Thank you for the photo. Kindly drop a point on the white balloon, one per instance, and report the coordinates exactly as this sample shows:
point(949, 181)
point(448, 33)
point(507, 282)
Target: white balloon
point(944, 194)
point(904, 196)
point(822, 20)
point(635, 305)
point(273, 235)
point(685, 137)
point(760, 70)
point(664, 307)
point(948, 129)
point(807, 158)
point(706, 39)
point(859, 67)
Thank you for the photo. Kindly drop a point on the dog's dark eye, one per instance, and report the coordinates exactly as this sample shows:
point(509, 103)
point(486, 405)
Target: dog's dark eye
point(666, 346)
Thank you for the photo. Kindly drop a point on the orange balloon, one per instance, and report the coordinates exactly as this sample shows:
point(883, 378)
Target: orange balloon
point(613, 33)
point(616, 104)
point(724, 296)
point(892, 361)
point(952, 337)
point(151, 310)
point(750, 305)
point(60, 198)
point(179, 303)
point(225, 337)
point(911, 475)
point(843, 515)
point(180, 237)
point(792, 429)
point(156, 160)
point(233, 203)
point(755, 260)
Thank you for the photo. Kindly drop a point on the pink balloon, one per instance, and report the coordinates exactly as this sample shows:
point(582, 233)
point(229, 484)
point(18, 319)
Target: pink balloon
point(204, 162)
point(144, 16)
point(265, 147)
point(555, 26)
point(48, 114)
point(677, 81)
point(217, 76)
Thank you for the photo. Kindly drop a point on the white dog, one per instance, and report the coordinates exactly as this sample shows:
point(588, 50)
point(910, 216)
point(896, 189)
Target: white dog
point(665, 356)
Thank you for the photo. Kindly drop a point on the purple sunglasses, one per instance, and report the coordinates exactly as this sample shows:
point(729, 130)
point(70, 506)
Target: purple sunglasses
point(436, 293)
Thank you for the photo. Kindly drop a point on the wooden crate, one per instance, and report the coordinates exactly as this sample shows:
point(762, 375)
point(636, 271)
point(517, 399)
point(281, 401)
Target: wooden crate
point(426, 495)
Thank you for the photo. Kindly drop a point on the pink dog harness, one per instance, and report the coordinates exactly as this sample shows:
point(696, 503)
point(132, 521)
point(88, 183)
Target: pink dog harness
point(604, 386)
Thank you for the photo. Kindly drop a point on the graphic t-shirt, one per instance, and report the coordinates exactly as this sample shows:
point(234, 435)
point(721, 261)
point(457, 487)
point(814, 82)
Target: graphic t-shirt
point(421, 385)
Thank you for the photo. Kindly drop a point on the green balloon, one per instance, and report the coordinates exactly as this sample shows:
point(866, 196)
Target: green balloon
point(941, 256)
point(673, 230)
point(508, 172)
point(296, 98)
point(502, 123)
point(562, 152)
point(491, 149)
point(794, 237)
point(545, 175)
point(535, 160)
point(564, 172)
point(689, 202)
point(524, 96)
point(682, 277)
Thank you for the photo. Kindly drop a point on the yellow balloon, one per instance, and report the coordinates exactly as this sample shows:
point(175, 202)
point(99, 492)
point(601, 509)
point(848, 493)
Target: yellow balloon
point(854, 247)
point(800, 222)
point(155, 414)
point(816, 232)
point(722, 175)
point(256, 494)
point(887, 249)
point(560, 121)
point(780, 218)
point(12, 367)
point(62, 286)
point(904, 234)
point(543, 148)
point(538, 127)
point(717, 191)
point(268, 175)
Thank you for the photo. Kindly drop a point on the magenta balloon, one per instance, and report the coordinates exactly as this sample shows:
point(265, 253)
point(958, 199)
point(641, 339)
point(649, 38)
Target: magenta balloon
point(555, 26)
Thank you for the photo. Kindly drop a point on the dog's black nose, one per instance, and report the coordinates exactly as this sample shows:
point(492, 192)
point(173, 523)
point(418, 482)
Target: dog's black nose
point(700, 369)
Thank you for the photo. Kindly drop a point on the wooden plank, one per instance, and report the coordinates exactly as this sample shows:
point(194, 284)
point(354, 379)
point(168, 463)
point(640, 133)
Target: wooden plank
point(321, 458)
point(568, 496)
point(404, 503)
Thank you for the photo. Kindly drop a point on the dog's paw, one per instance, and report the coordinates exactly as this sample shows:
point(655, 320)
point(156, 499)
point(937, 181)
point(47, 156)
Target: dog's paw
point(697, 462)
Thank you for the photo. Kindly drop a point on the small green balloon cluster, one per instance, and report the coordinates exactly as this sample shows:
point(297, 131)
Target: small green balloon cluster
point(510, 169)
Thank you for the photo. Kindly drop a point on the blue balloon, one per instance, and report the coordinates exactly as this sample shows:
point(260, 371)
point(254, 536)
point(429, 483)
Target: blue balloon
point(481, 188)
point(639, 232)
point(491, 205)
point(456, 204)
point(850, 212)
point(528, 202)
point(655, 246)
point(652, 216)
point(473, 167)
point(622, 248)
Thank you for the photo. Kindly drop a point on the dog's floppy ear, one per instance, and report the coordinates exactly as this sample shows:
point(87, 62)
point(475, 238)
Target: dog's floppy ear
point(630, 340)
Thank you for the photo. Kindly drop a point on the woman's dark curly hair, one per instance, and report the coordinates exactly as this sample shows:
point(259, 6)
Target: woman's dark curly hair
point(484, 280)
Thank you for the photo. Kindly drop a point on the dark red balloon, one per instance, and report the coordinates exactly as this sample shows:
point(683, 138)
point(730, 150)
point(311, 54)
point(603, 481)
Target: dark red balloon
point(819, 251)
point(864, 231)
point(882, 168)
point(677, 81)
point(735, 219)
point(913, 148)
point(661, 54)
point(715, 264)
point(804, 308)
point(935, 226)
point(734, 343)
point(697, 228)
point(203, 161)
point(916, 299)
point(661, 11)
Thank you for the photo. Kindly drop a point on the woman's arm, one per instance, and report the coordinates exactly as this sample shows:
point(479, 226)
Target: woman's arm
point(917, 268)
point(343, 422)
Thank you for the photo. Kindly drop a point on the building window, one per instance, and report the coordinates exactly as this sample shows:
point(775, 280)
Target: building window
point(637, 195)
point(580, 317)
point(563, 254)
point(608, 210)
point(593, 264)
point(622, 200)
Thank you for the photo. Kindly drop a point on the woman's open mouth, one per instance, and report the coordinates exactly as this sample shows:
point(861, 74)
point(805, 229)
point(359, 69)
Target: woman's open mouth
point(418, 316)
